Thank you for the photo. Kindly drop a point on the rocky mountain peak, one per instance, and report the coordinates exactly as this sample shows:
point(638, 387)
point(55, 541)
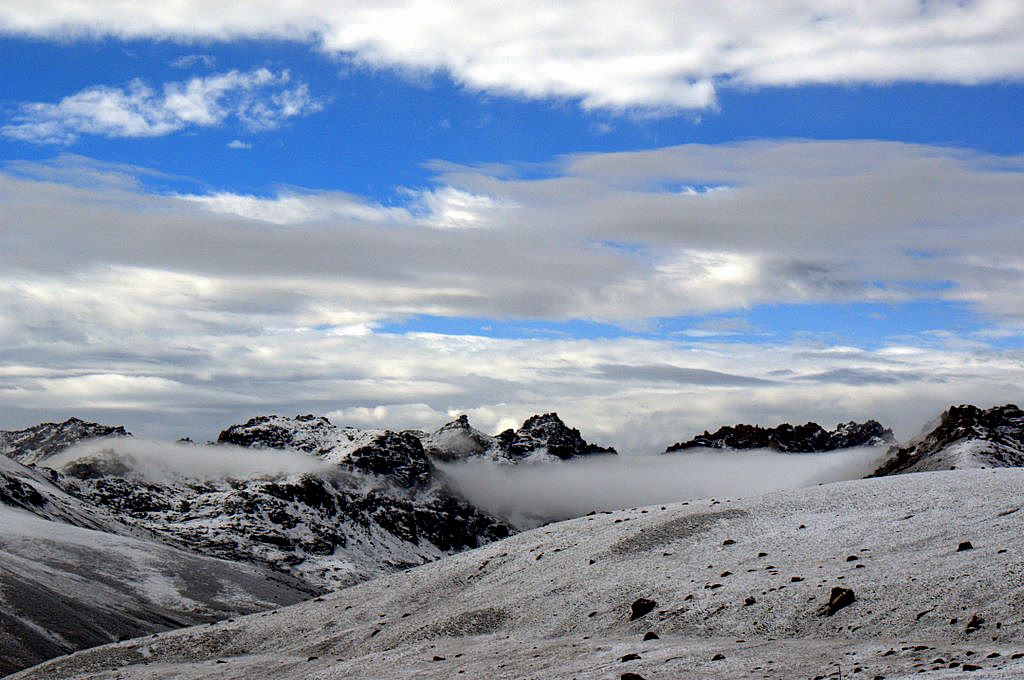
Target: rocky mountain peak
point(548, 432)
point(457, 440)
point(807, 438)
point(965, 436)
point(35, 444)
point(309, 433)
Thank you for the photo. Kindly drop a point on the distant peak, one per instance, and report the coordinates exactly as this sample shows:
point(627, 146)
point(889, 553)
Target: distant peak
point(807, 438)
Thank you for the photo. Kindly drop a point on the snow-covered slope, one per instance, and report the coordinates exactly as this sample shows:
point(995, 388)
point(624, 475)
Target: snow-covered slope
point(64, 588)
point(730, 587)
point(35, 444)
point(372, 506)
point(964, 437)
point(806, 438)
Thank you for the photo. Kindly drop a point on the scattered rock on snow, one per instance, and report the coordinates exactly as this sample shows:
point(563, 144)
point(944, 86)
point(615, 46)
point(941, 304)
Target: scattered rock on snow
point(974, 624)
point(641, 607)
point(839, 597)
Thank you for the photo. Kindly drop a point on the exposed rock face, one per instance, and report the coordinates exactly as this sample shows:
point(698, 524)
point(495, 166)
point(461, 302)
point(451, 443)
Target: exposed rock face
point(547, 432)
point(965, 437)
point(541, 438)
point(376, 507)
point(329, 531)
point(34, 445)
point(807, 438)
point(398, 456)
point(457, 440)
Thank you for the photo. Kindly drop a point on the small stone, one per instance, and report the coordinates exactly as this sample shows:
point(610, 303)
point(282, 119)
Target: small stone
point(762, 554)
point(629, 657)
point(796, 579)
point(728, 541)
point(964, 545)
point(970, 667)
point(852, 558)
point(641, 607)
point(839, 597)
point(718, 657)
point(312, 658)
point(650, 635)
point(974, 624)
point(631, 676)
point(438, 658)
point(749, 601)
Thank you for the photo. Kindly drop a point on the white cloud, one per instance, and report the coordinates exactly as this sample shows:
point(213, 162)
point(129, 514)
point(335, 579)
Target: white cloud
point(239, 144)
point(646, 54)
point(182, 314)
point(192, 60)
point(259, 99)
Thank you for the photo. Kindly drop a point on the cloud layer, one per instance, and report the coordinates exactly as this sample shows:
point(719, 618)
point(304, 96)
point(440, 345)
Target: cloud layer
point(180, 314)
point(158, 461)
point(531, 495)
point(258, 99)
point(646, 54)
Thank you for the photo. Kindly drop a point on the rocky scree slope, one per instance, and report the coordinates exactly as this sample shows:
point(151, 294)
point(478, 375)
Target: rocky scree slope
point(964, 437)
point(875, 576)
point(806, 438)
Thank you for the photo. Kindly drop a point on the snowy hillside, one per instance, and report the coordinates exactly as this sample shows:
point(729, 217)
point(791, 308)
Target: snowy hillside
point(901, 576)
point(964, 437)
point(73, 576)
point(330, 527)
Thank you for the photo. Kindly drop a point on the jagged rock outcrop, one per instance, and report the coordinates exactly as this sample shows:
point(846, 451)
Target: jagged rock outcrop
point(541, 438)
point(34, 445)
point(399, 456)
point(964, 437)
point(457, 440)
point(806, 438)
point(547, 433)
point(374, 507)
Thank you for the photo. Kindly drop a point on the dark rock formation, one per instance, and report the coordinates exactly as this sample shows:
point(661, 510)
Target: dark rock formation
point(309, 433)
point(807, 438)
point(34, 445)
point(838, 599)
point(641, 607)
point(547, 432)
point(965, 436)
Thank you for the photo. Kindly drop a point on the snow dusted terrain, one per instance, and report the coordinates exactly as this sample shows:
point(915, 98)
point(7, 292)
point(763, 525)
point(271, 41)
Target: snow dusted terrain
point(118, 537)
point(734, 588)
point(73, 576)
point(33, 445)
point(963, 437)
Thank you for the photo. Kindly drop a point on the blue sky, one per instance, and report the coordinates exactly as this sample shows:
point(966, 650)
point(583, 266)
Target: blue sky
point(728, 193)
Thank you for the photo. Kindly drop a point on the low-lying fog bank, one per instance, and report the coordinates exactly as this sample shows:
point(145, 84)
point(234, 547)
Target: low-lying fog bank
point(533, 494)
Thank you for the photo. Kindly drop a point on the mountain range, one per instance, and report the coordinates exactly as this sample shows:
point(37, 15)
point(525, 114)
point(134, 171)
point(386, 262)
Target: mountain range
point(177, 551)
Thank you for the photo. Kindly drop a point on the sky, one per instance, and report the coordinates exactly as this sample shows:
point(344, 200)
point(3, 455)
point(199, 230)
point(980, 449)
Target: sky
point(655, 219)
